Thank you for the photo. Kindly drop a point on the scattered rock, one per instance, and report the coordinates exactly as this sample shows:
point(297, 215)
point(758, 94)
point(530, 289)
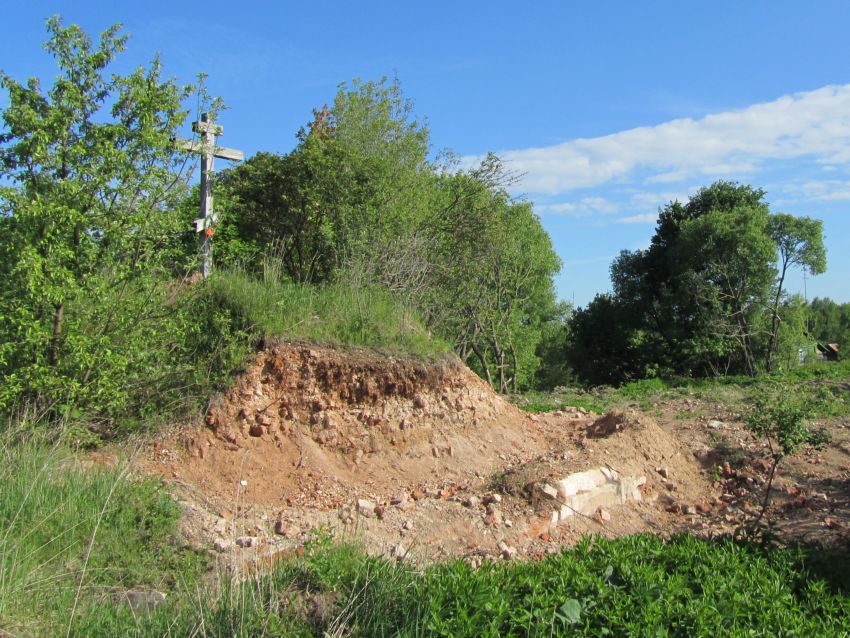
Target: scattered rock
point(714, 424)
point(690, 510)
point(222, 545)
point(507, 551)
point(399, 551)
point(471, 501)
point(286, 529)
point(493, 517)
point(247, 542)
point(663, 472)
point(220, 527)
point(365, 507)
point(491, 498)
point(546, 491)
point(601, 515)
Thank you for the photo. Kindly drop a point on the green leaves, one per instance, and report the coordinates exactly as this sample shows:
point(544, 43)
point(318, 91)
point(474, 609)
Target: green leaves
point(93, 179)
point(707, 296)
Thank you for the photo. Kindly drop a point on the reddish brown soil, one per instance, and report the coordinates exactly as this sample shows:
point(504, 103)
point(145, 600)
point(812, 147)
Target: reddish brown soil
point(307, 431)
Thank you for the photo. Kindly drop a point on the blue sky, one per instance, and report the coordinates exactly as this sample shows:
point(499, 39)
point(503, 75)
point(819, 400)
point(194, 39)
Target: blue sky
point(609, 109)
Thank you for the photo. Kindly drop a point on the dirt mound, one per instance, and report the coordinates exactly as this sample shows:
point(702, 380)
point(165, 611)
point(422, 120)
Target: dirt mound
point(403, 454)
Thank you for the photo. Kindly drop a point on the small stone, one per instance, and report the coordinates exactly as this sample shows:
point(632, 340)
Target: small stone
point(714, 424)
point(255, 430)
point(663, 472)
point(472, 501)
point(399, 551)
point(491, 498)
point(506, 550)
point(435, 451)
point(690, 510)
point(220, 527)
point(704, 508)
point(509, 523)
point(546, 491)
point(380, 510)
point(408, 525)
point(602, 515)
point(493, 518)
point(365, 507)
point(287, 530)
point(418, 494)
point(221, 545)
point(246, 542)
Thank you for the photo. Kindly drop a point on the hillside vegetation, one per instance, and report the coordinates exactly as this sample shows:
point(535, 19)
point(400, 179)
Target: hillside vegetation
point(356, 237)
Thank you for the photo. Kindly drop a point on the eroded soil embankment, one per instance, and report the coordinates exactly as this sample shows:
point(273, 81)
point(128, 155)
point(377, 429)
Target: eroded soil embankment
point(439, 462)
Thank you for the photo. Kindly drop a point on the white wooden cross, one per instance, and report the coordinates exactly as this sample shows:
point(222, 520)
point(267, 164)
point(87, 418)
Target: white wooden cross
point(208, 130)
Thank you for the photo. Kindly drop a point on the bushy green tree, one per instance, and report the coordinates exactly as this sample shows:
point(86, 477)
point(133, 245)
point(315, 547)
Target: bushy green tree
point(707, 296)
point(91, 181)
point(358, 201)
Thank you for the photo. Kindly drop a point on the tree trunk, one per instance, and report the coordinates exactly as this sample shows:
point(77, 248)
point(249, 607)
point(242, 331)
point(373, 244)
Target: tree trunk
point(53, 354)
point(483, 359)
point(774, 324)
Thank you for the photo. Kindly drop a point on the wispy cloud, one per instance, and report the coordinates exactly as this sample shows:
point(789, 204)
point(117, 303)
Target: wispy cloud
point(814, 123)
point(643, 218)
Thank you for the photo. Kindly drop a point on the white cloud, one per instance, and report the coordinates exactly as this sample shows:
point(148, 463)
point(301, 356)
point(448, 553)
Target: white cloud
point(814, 123)
point(582, 208)
point(644, 218)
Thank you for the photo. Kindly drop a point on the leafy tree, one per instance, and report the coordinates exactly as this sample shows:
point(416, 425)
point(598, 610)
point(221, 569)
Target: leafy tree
point(90, 182)
point(707, 296)
point(800, 243)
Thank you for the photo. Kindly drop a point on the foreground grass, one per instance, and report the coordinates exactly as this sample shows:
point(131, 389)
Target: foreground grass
point(637, 586)
point(70, 533)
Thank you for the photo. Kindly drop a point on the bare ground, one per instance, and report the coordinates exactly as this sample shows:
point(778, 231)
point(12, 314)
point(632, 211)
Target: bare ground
point(424, 461)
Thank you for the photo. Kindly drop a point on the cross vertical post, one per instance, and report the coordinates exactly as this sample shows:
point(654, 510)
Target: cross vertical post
point(208, 130)
point(208, 134)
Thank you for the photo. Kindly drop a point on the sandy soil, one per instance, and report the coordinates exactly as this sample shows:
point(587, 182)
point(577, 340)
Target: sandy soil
point(424, 461)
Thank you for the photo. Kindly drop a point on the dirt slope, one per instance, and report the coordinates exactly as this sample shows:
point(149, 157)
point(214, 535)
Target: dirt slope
point(440, 464)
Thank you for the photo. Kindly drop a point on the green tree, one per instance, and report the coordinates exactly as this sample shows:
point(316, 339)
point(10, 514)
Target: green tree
point(800, 244)
point(90, 182)
point(708, 295)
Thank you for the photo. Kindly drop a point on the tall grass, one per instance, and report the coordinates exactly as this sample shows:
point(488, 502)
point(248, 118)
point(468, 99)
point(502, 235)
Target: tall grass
point(72, 533)
point(339, 314)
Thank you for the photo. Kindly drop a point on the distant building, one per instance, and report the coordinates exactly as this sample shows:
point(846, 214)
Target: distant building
point(827, 351)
